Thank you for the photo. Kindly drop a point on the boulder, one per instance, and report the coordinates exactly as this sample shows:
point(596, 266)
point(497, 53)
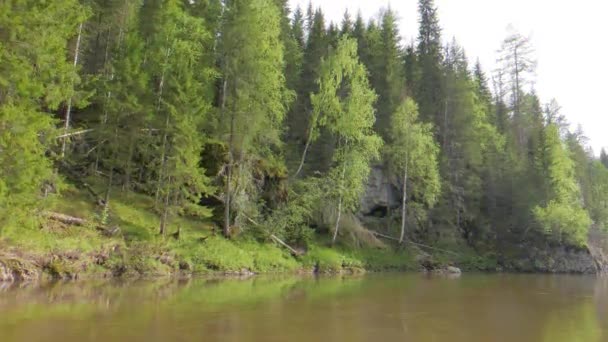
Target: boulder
point(453, 270)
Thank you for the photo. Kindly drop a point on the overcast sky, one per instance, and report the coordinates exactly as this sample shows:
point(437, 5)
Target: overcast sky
point(569, 38)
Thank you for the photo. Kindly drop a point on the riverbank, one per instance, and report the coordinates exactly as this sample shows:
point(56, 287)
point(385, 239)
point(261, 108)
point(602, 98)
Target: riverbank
point(44, 247)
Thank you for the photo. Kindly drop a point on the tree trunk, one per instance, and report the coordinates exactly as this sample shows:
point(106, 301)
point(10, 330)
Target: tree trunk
point(389, 192)
point(164, 145)
point(129, 166)
point(445, 123)
point(308, 141)
point(104, 118)
point(337, 227)
point(228, 189)
point(163, 157)
point(165, 215)
point(335, 237)
point(404, 207)
point(68, 112)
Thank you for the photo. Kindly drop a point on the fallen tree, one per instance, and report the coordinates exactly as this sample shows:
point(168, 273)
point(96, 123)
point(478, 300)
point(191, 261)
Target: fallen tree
point(77, 221)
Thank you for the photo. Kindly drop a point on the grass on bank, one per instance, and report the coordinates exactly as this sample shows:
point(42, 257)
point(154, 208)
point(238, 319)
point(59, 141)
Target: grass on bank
point(141, 250)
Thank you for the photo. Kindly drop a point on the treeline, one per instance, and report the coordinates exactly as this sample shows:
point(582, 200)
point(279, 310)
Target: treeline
point(269, 120)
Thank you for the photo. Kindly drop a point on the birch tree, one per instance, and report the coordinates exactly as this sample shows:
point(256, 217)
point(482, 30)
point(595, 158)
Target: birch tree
point(344, 105)
point(413, 152)
point(562, 215)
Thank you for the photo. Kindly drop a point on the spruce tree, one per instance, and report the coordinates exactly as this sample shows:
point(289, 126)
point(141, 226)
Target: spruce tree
point(254, 99)
point(36, 78)
point(346, 28)
point(299, 129)
point(428, 84)
point(183, 73)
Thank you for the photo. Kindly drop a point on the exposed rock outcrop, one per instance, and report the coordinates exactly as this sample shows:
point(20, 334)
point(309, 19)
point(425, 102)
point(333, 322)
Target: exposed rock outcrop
point(380, 193)
point(557, 259)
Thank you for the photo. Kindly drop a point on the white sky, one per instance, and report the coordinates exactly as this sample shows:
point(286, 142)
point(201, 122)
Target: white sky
point(569, 38)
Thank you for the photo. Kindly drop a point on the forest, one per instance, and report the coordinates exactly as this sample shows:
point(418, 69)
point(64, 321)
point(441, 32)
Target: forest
point(233, 133)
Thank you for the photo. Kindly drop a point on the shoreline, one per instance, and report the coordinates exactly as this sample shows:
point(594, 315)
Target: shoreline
point(17, 269)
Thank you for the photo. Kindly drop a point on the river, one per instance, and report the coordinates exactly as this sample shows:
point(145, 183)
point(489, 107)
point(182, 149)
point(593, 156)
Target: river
point(377, 307)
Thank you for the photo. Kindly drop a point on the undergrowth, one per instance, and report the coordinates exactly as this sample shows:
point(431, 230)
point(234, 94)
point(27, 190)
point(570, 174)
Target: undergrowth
point(139, 249)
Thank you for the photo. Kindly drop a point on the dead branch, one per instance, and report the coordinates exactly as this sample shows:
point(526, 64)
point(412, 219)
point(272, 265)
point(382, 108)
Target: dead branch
point(66, 135)
point(77, 221)
point(412, 243)
point(276, 239)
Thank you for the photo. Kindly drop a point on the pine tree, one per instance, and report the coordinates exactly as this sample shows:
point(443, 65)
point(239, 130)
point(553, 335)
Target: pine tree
point(518, 65)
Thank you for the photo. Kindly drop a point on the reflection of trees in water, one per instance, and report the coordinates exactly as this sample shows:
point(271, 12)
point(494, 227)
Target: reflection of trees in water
point(578, 324)
point(472, 308)
point(584, 313)
point(601, 301)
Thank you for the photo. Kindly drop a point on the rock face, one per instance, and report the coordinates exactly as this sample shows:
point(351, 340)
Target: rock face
point(380, 194)
point(560, 259)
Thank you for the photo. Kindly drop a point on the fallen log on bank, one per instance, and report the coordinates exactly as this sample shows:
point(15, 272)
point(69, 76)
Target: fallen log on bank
point(293, 251)
point(282, 243)
point(70, 220)
point(80, 222)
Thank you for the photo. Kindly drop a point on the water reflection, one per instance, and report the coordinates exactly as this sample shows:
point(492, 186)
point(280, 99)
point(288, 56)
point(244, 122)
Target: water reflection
point(371, 308)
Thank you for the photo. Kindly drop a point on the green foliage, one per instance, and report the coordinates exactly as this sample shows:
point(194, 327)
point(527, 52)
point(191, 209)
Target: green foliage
point(254, 101)
point(566, 222)
point(328, 260)
point(256, 95)
point(190, 97)
point(564, 215)
point(184, 74)
point(350, 118)
point(35, 78)
point(598, 199)
point(412, 149)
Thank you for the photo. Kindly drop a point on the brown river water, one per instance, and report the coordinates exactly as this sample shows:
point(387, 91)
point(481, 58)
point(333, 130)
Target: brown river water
point(377, 307)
